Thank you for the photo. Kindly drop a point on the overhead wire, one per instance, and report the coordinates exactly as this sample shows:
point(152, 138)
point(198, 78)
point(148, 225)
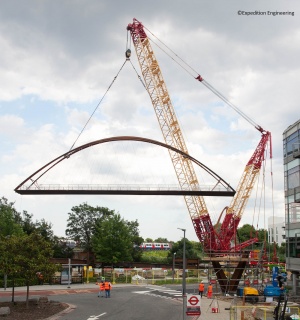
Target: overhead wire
point(191, 71)
point(114, 79)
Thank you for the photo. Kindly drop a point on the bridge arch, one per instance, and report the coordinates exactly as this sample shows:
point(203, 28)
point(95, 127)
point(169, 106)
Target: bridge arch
point(30, 184)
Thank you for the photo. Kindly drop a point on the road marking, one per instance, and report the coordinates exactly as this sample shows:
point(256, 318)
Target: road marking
point(158, 291)
point(96, 317)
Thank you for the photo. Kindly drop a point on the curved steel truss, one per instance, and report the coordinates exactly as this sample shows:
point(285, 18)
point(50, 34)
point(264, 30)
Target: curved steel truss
point(31, 184)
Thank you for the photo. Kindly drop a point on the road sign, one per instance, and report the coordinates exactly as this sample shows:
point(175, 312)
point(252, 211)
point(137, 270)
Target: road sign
point(193, 305)
point(193, 301)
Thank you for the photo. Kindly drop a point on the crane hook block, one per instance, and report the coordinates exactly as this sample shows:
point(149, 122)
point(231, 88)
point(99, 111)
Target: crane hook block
point(128, 53)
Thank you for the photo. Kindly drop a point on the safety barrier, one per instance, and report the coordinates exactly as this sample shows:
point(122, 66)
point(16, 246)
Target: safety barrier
point(262, 312)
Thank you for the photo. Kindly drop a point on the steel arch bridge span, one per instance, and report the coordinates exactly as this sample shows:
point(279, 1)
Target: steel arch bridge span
point(31, 185)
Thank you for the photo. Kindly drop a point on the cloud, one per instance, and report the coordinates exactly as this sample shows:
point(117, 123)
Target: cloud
point(59, 62)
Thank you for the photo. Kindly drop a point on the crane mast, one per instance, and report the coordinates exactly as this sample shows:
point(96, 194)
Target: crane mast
point(212, 240)
point(236, 209)
point(172, 133)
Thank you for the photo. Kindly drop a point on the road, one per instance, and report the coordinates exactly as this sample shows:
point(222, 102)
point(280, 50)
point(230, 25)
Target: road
point(127, 302)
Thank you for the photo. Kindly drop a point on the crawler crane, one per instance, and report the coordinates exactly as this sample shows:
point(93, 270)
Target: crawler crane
point(217, 243)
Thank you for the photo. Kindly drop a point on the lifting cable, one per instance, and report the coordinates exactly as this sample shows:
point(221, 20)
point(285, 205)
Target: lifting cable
point(263, 197)
point(127, 54)
point(98, 105)
point(255, 206)
point(190, 70)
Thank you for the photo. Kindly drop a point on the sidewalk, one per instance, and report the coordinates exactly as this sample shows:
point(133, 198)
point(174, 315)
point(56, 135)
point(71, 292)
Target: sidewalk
point(220, 308)
point(46, 287)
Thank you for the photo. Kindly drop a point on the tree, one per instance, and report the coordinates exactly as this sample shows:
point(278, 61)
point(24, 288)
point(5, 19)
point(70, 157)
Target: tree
point(44, 228)
point(61, 248)
point(8, 224)
point(148, 240)
point(33, 257)
point(161, 240)
point(82, 222)
point(282, 252)
point(193, 250)
point(115, 239)
point(8, 253)
point(136, 239)
point(25, 220)
point(25, 256)
point(247, 232)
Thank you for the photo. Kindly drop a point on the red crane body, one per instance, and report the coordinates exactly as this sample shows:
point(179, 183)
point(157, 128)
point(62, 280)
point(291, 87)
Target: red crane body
point(212, 240)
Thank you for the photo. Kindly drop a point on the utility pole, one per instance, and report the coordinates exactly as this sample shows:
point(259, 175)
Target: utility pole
point(174, 254)
point(183, 278)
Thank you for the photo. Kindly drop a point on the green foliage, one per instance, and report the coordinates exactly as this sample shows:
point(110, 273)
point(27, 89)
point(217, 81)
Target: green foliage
point(115, 239)
point(282, 252)
point(24, 256)
point(8, 216)
point(161, 240)
point(26, 222)
point(82, 222)
point(136, 239)
point(159, 256)
point(123, 279)
point(60, 249)
point(34, 255)
point(9, 251)
point(247, 232)
point(193, 249)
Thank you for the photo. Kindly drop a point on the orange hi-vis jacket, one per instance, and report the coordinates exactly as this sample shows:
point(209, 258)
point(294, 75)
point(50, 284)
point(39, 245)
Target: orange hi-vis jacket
point(201, 287)
point(210, 288)
point(107, 285)
point(101, 286)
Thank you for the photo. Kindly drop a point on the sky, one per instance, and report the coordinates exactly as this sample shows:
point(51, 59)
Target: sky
point(61, 64)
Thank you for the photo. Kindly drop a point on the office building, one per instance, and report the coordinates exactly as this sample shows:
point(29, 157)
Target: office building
point(276, 230)
point(291, 161)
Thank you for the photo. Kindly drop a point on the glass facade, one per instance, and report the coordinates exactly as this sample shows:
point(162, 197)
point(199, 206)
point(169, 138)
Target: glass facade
point(291, 162)
point(291, 144)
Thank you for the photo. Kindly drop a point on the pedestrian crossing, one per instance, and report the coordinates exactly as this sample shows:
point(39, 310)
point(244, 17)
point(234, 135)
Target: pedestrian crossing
point(161, 292)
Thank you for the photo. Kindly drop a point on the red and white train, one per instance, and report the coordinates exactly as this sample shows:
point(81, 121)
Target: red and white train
point(155, 246)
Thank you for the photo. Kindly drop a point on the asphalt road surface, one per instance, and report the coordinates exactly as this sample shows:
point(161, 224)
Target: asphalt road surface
point(126, 303)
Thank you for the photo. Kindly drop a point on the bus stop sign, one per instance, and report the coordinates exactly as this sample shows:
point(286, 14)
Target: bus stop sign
point(193, 305)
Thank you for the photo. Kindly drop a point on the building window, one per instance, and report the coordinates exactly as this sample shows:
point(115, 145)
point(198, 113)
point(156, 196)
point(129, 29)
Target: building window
point(293, 212)
point(293, 178)
point(294, 247)
point(290, 141)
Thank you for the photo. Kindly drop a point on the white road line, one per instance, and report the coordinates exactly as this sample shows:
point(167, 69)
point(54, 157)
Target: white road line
point(96, 317)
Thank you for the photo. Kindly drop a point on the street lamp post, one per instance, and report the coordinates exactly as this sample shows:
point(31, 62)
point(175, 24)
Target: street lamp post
point(174, 254)
point(183, 277)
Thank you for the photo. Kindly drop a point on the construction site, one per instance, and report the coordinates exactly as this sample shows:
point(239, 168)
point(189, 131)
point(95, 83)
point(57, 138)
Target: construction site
point(237, 270)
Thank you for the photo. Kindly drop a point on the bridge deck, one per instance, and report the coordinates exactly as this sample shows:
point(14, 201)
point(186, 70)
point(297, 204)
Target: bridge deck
point(122, 189)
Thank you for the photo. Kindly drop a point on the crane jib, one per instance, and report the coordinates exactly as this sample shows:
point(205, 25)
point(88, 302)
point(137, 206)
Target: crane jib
point(161, 101)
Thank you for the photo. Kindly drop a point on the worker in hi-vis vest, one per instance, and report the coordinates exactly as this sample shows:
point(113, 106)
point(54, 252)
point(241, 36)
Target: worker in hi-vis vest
point(101, 289)
point(201, 288)
point(209, 291)
point(107, 287)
